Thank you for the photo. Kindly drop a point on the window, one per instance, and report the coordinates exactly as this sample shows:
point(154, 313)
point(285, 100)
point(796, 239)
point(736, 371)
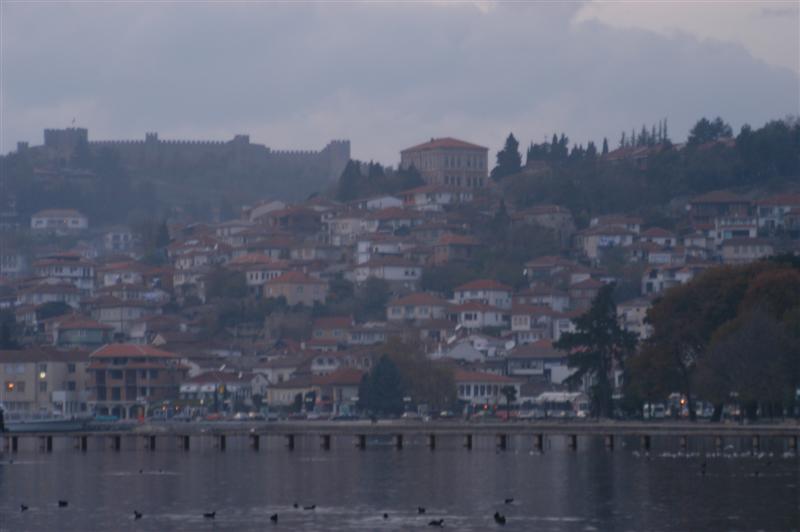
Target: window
point(42, 368)
point(71, 386)
point(115, 374)
point(42, 386)
point(116, 394)
point(20, 386)
point(153, 373)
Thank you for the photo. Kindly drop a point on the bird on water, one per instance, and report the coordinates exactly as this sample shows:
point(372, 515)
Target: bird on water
point(137, 515)
point(420, 510)
point(210, 515)
point(274, 518)
point(437, 523)
point(499, 519)
point(63, 504)
point(23, 508)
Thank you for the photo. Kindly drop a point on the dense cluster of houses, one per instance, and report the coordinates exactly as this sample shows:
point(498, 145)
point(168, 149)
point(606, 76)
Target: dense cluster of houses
point(102, 330)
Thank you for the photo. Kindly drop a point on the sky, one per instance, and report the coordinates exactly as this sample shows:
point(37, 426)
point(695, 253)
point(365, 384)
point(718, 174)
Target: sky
point(388, 75)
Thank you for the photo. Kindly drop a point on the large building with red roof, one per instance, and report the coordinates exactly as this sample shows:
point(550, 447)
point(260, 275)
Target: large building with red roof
point(449, 161)
point(124, 379)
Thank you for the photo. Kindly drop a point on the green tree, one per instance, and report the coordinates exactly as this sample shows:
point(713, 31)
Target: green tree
point(510, 393)
point(8, 326)
point(52, 310)
point(349, 182)
point(427, 382)
point(605, 146)
point(222, 283)
point(754, 358)
point(708, 131)
point(597, 344)
point(371, 300)
point(509, 161)
point(382, 390)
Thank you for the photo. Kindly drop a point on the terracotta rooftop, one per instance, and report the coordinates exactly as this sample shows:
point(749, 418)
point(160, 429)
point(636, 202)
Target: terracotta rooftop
point(444, 143)
point(130, 350)
point(418, 298)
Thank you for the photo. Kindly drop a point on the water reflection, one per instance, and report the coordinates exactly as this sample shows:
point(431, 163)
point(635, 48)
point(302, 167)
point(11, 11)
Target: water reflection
point(591, 489)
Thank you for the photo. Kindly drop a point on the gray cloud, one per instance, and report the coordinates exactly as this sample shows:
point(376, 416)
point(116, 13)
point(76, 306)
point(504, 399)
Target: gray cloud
point(385, 76)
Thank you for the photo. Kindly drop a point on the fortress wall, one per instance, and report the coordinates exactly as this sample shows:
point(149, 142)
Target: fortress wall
point(238, 153)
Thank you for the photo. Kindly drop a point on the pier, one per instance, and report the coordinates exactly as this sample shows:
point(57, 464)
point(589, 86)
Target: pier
point(328, 436)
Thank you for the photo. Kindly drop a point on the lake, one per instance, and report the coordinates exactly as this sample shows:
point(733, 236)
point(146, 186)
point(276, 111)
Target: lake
point(589, 489)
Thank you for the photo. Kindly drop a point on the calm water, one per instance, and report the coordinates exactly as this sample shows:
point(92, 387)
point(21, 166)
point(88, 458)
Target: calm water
point(591, 489)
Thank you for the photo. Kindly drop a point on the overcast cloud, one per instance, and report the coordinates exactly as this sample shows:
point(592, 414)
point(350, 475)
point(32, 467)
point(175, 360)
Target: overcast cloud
point(387, 76)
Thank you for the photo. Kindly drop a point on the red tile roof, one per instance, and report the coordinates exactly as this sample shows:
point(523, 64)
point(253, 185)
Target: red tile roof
point(444, 143)
point(483, 284)
point(130, 350)
point(418, 298)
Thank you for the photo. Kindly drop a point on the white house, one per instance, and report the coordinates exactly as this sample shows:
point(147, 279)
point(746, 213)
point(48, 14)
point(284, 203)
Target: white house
point(475, 315)
point(418, 306)
point(486, 291)
point(480, 388)
point(538, 359)
point(59, 220)
point(391, 269)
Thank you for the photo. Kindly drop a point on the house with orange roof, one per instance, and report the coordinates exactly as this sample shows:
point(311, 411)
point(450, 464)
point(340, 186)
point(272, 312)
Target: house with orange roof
point(74, 330)
point(538, 361)
point(452, 247)
point(480, 388)
point(436, 197)
point(449, 161)
point(486, 291)
point(772, 211)
point(473, 315)
point(395, 270)
point(417, 306)
point(297, 288)
point(59, 221)
point(124, 379)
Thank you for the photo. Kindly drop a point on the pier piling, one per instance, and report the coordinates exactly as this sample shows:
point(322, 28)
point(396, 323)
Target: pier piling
point(432, 441)
point(502, 442)
point(398, 441)
point(255, 442)
point(468, 441)
point(361, 441)
point(572, 442)
point(325, 442)
point(646, 443)
point(290, 441)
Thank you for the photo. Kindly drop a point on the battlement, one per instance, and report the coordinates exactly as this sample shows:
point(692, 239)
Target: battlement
point(238, 152)
point(293, 153)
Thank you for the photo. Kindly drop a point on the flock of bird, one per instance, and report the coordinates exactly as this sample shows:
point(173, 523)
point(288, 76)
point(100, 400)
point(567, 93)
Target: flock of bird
point(438, 523)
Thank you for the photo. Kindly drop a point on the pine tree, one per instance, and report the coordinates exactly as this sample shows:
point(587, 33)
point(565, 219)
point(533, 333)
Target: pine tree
point(605, 146)
point(349, 182)
point(509, 161)
point(591, 150)
point(595, 346)
point(623, 141)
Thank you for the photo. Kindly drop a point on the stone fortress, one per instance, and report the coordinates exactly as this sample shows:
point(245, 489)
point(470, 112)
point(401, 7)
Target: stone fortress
point(236, 154)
